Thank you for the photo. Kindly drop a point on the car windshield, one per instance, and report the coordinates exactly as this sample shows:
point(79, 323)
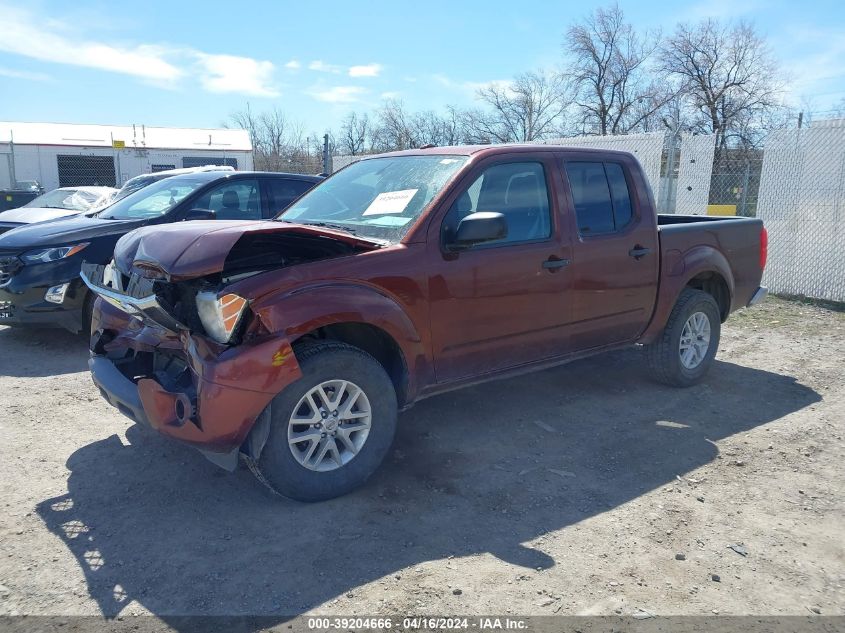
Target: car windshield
point(71, 199)
point(378, 198)
point(154, 200)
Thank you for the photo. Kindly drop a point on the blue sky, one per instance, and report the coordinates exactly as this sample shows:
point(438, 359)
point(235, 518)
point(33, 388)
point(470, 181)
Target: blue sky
point(191, 64)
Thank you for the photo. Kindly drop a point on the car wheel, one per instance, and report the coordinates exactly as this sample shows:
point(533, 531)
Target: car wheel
point(332, 428)
point(686, 348)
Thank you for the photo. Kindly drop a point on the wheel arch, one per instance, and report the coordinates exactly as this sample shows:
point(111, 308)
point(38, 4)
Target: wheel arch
point(370, 338)
point(702, 268)
point(359, 315)
point(714, 284)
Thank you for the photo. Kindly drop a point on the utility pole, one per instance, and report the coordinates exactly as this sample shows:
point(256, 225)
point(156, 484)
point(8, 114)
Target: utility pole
point(326, 157)
point(12, 175)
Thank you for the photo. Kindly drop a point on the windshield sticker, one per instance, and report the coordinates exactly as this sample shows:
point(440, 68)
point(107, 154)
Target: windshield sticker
point(390, 202)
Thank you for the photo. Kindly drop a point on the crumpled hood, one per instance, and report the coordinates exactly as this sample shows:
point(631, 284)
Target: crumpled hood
point(31, 215)
point(187, 250)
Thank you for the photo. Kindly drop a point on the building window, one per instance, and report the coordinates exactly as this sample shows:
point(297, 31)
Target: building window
point(201, 161)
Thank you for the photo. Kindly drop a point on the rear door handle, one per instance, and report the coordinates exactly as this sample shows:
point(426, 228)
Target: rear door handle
point(554, 264)
point(639, 251)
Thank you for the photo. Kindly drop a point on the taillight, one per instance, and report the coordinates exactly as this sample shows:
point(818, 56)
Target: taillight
point(764, 248)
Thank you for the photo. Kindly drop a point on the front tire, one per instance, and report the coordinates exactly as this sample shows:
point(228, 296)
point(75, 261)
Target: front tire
point(331, 429)
point(685, 350)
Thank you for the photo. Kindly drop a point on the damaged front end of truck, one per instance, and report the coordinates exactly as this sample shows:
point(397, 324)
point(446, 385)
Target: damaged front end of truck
point(175, 347)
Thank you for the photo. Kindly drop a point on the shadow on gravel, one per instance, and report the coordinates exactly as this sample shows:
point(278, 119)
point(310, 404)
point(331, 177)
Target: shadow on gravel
point(480, 470)
point(42, 352)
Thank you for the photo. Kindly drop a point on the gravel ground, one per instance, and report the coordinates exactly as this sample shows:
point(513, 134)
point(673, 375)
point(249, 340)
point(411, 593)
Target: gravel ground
point(584, 490)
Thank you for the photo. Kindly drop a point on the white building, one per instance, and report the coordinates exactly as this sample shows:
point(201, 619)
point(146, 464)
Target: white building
point(65, 154)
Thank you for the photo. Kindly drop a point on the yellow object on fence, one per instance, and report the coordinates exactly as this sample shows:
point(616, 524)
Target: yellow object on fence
point(721, 209)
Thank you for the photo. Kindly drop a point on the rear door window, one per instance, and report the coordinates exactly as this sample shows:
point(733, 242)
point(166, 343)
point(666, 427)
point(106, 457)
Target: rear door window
point(601, 197)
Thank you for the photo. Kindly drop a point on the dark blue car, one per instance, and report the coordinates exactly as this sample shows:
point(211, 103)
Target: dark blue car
point(40, 263)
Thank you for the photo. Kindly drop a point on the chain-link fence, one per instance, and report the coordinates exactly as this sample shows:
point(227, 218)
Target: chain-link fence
point(300, 163)
point(802, 203)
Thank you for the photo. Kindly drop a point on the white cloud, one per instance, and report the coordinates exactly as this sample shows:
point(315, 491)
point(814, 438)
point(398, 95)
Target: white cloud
point(390, 95)
point(338, 94)
point(242, 75)
point(59, 42)
point(293, 64)
point(368, 70)
point(25, 35)
point(323, 67)
point(23, 74)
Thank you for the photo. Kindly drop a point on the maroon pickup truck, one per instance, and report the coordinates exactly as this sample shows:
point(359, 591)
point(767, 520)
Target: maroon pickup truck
point(294, 342)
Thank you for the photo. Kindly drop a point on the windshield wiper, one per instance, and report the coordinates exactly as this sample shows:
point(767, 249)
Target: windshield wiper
point(330, 225)
point(344, 229)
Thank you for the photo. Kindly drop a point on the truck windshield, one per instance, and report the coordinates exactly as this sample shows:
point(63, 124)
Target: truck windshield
point(378, 198)
point(154, 200)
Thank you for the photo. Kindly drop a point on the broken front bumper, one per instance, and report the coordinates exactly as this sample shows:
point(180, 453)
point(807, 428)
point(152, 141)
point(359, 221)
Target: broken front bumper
point(181, 383)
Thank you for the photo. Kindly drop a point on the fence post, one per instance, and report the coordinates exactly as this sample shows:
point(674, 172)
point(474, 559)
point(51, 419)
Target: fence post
point(745, 178)
point(326, 157)
point(665, 205)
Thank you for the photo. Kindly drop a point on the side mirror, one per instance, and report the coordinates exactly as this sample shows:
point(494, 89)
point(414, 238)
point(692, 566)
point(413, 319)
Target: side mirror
point(201, 214)
point(478, 227)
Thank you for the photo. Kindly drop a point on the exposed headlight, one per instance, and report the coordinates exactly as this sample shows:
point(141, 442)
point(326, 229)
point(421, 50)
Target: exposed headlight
point(44, 255)
point(220, 316)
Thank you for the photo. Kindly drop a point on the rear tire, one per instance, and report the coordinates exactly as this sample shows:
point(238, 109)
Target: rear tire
point(686, 348)
point(356, 424)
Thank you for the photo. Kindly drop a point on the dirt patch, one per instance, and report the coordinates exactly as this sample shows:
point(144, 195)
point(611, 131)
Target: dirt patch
point(585, 489)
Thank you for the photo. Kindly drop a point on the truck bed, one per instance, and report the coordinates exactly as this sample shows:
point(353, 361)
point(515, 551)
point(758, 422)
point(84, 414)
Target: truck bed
point(737, 239)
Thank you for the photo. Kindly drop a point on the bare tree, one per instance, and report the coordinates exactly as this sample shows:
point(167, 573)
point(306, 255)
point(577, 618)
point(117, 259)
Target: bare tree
point(394, 130)
point(615, 92)
point(278, 143)
point(245, 120)
point(526, 109)
point(726, 74)
point(275, 146)
point(355, 133)
point(430, 128)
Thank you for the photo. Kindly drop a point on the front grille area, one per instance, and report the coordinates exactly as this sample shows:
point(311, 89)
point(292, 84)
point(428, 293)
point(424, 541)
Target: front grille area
point(9, 265)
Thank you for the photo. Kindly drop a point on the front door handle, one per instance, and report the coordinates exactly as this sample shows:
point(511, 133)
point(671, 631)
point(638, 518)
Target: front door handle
point(639, 252)
point(554, 263)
